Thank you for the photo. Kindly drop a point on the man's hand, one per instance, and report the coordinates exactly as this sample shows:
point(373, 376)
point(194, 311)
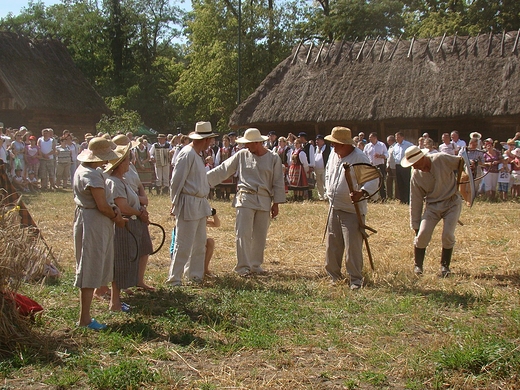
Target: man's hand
point(356, 196)
point(274, 210)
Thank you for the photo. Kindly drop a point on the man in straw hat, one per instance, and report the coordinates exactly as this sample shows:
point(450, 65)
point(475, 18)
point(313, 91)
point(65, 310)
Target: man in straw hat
point(189, 190)
point(433, 187)
point(343, 229)
point(260, 189)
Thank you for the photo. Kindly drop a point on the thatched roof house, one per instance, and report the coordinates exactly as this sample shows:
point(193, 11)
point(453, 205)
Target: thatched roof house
point(422, 85)
point(40, 86)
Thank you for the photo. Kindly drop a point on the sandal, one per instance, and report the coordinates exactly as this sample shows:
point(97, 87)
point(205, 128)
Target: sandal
point(94, 325)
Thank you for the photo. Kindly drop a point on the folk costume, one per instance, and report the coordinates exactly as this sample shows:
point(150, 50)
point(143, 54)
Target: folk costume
point(260, 187)
point(189, 189)
point(298, 170)
point(160, 153)
point(344, 239)
point(433, 196)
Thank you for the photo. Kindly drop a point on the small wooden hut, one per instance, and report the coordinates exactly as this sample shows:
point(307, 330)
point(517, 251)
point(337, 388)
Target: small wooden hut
point(40, 86)
point(437, 85)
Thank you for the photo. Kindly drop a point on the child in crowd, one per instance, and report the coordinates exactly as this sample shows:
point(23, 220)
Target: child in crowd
point(32, 182)
point(504, 177)
point(19, 182)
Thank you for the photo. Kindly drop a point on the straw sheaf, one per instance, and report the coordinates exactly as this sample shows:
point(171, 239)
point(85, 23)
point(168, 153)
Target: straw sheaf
point(41, 74)
point(440, 77)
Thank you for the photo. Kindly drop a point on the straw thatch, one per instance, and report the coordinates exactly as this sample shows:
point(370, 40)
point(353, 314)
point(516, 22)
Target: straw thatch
point(466, 83)
point(40, 86)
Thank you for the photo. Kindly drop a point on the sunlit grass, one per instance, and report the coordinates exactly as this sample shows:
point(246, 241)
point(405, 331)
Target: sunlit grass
point(292, 329)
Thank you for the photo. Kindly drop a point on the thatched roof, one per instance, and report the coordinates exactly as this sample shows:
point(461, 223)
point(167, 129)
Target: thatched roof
point(375, 80)
point(40, 74)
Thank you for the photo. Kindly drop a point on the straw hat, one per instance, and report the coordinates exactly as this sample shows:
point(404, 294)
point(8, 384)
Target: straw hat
point(202, 130)
point(411, 156)
point(122, 139)
point(99, 149)
point(475, 135)
point(252, 135)
point(122, 152)
point(340, 135)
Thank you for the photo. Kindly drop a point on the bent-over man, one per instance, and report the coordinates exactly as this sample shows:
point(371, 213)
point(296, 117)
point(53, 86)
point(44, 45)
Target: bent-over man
point(433, 187)
point(260, 189)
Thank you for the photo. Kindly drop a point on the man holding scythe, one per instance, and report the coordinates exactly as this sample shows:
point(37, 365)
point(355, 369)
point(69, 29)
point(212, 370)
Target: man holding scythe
point(433, 196)
point(346, 221)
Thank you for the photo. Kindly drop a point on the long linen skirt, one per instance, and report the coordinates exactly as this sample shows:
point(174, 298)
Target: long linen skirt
point(93, 248)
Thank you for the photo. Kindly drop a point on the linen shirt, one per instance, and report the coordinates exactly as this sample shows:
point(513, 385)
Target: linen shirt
point(438, 185)
point(336, 185)
point(189, 186)
point(260, 179)
point(84, 179)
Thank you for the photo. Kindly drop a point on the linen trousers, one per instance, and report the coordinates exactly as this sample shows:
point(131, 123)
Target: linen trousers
point(344, 238)
point(251, 235)
point(190, 246)
point(162, 174)
point(320, 183)
point(448, 210)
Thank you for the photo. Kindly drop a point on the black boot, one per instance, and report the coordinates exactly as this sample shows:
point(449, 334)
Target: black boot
point(419, 254)
point(445, 262)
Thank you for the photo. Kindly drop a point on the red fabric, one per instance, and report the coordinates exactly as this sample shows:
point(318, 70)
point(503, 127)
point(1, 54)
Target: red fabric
point(25, 306)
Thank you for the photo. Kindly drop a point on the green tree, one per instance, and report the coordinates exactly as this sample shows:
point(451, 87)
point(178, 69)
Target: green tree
point(121, 119)
point(207, 89)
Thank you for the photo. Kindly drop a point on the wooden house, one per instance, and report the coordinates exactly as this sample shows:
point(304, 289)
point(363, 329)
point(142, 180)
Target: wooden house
point(40, 86)
point(437, 85)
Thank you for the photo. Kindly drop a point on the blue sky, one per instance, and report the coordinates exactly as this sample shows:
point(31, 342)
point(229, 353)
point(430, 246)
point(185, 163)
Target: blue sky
point(15, 6)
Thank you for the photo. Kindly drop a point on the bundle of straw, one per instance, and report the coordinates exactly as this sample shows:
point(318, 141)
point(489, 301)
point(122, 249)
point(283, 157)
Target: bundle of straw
point(22, 255)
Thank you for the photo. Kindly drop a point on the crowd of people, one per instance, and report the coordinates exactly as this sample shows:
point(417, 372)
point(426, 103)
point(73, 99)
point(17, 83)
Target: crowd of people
point(109, 177)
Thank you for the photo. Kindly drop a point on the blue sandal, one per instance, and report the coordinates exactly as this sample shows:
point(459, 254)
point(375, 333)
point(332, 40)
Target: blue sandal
point(125, 307)
point(94, 325)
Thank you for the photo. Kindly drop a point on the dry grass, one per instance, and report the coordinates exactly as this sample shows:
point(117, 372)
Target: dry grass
point(388, 335)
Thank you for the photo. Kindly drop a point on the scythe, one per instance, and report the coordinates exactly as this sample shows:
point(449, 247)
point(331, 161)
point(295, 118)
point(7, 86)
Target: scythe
point(363, 172)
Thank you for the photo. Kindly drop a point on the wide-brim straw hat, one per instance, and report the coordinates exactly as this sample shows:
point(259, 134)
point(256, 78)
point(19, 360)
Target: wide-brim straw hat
point(411, 156)
point(252, 135)
point(475, 135)
point(122, 152)
point(202, 130)
point(99, 149)
point(122, 139)
point(340, 135)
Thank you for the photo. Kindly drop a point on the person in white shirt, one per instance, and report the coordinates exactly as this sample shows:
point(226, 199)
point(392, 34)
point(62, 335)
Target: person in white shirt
point(344, 239)
point(455, 138)
point(321, 157)
point(391, 181)
point(260, 189)
point(189, 190)
point(160, 157)
point(377, 153)
point(447, 146)
point(48, 152)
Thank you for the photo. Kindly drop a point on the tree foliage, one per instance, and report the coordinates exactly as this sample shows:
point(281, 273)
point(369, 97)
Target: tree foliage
point(130, 49)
